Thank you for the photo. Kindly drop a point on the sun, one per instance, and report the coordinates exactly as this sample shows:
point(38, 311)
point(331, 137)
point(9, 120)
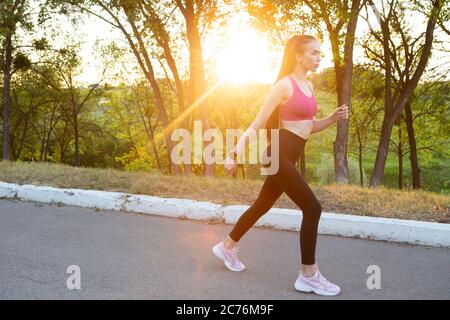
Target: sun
point(245, 57)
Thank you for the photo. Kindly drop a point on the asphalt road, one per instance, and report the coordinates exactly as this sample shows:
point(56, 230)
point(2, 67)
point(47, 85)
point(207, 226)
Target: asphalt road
point(123, 255)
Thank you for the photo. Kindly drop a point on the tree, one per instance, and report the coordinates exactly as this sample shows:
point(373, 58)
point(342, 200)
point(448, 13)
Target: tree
point(65, 67)
point(367, 89)
point(31, 103)
point(193, 11)
point(125, 15)
point(13, 13)
point(410, 75)
point(15, 16)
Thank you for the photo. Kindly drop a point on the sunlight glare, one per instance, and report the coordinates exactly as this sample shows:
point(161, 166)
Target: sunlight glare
point(245, 57)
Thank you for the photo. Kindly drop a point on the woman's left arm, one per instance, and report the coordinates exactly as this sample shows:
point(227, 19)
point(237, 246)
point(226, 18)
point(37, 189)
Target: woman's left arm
point(321, 124)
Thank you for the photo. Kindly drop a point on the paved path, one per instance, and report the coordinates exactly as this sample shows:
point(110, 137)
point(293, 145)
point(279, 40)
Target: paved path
point(132, 256)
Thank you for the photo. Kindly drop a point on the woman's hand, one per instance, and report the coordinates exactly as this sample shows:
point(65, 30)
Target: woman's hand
point(341, 113)
point(230, 166)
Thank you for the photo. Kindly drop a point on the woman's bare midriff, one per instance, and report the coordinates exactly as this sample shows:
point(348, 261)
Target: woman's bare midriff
point(302, 128)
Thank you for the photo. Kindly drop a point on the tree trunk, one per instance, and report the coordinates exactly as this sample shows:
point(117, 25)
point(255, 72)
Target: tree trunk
point(23, 135)
point(361, 175)
point(344, 93)
point(412, 147)
point(162, 40)
point(197, 83)
point(165, 122)
point(41, 152)
point(62, 144)
point(400, 158)
point(150, 135)
point(52, 124)
point(339, 146)
point(6, 93)
point(152, 139)
point(76, 138)
point(382, 151)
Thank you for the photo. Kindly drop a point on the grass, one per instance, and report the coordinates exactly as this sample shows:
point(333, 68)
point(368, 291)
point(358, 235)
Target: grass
point(348, 199)
point(433, 176)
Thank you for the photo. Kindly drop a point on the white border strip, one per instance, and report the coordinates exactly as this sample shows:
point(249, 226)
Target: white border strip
point(395, 230)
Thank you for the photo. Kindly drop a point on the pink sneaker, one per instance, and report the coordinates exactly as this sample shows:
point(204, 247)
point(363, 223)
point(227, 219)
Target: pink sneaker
point(317, 284)
point(229, 257)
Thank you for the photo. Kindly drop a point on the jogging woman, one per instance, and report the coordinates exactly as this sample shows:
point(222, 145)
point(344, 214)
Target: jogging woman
point(290, 107)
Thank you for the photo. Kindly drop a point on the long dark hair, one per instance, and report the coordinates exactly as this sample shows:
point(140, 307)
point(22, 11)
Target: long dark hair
point(295, 45)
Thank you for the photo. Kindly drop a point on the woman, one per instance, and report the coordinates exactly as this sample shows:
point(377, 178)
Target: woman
point(291, 107)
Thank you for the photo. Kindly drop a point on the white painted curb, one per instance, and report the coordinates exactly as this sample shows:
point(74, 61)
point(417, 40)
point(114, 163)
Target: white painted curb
point(395, 230)
point(171, 207)
point(8, 190)
point(74, 197)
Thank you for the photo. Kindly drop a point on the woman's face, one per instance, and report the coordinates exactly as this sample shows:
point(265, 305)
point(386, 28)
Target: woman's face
point(310, 59)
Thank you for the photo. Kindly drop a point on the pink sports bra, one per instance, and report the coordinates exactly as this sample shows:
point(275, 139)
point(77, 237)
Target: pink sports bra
point(298, 106)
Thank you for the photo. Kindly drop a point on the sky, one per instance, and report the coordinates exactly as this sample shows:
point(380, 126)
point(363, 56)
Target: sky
point(239, 54)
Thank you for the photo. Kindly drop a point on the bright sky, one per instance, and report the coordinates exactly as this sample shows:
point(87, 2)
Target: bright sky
point(243, 54)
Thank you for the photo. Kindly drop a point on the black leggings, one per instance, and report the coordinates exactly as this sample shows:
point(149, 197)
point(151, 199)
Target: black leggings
point(287, 179)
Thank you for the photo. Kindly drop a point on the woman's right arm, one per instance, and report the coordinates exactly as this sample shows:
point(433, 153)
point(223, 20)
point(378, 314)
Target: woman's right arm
point(276, 95)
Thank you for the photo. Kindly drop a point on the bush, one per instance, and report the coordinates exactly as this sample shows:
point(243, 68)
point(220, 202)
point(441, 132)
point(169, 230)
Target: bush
point(326, 174)
point(142, 161)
